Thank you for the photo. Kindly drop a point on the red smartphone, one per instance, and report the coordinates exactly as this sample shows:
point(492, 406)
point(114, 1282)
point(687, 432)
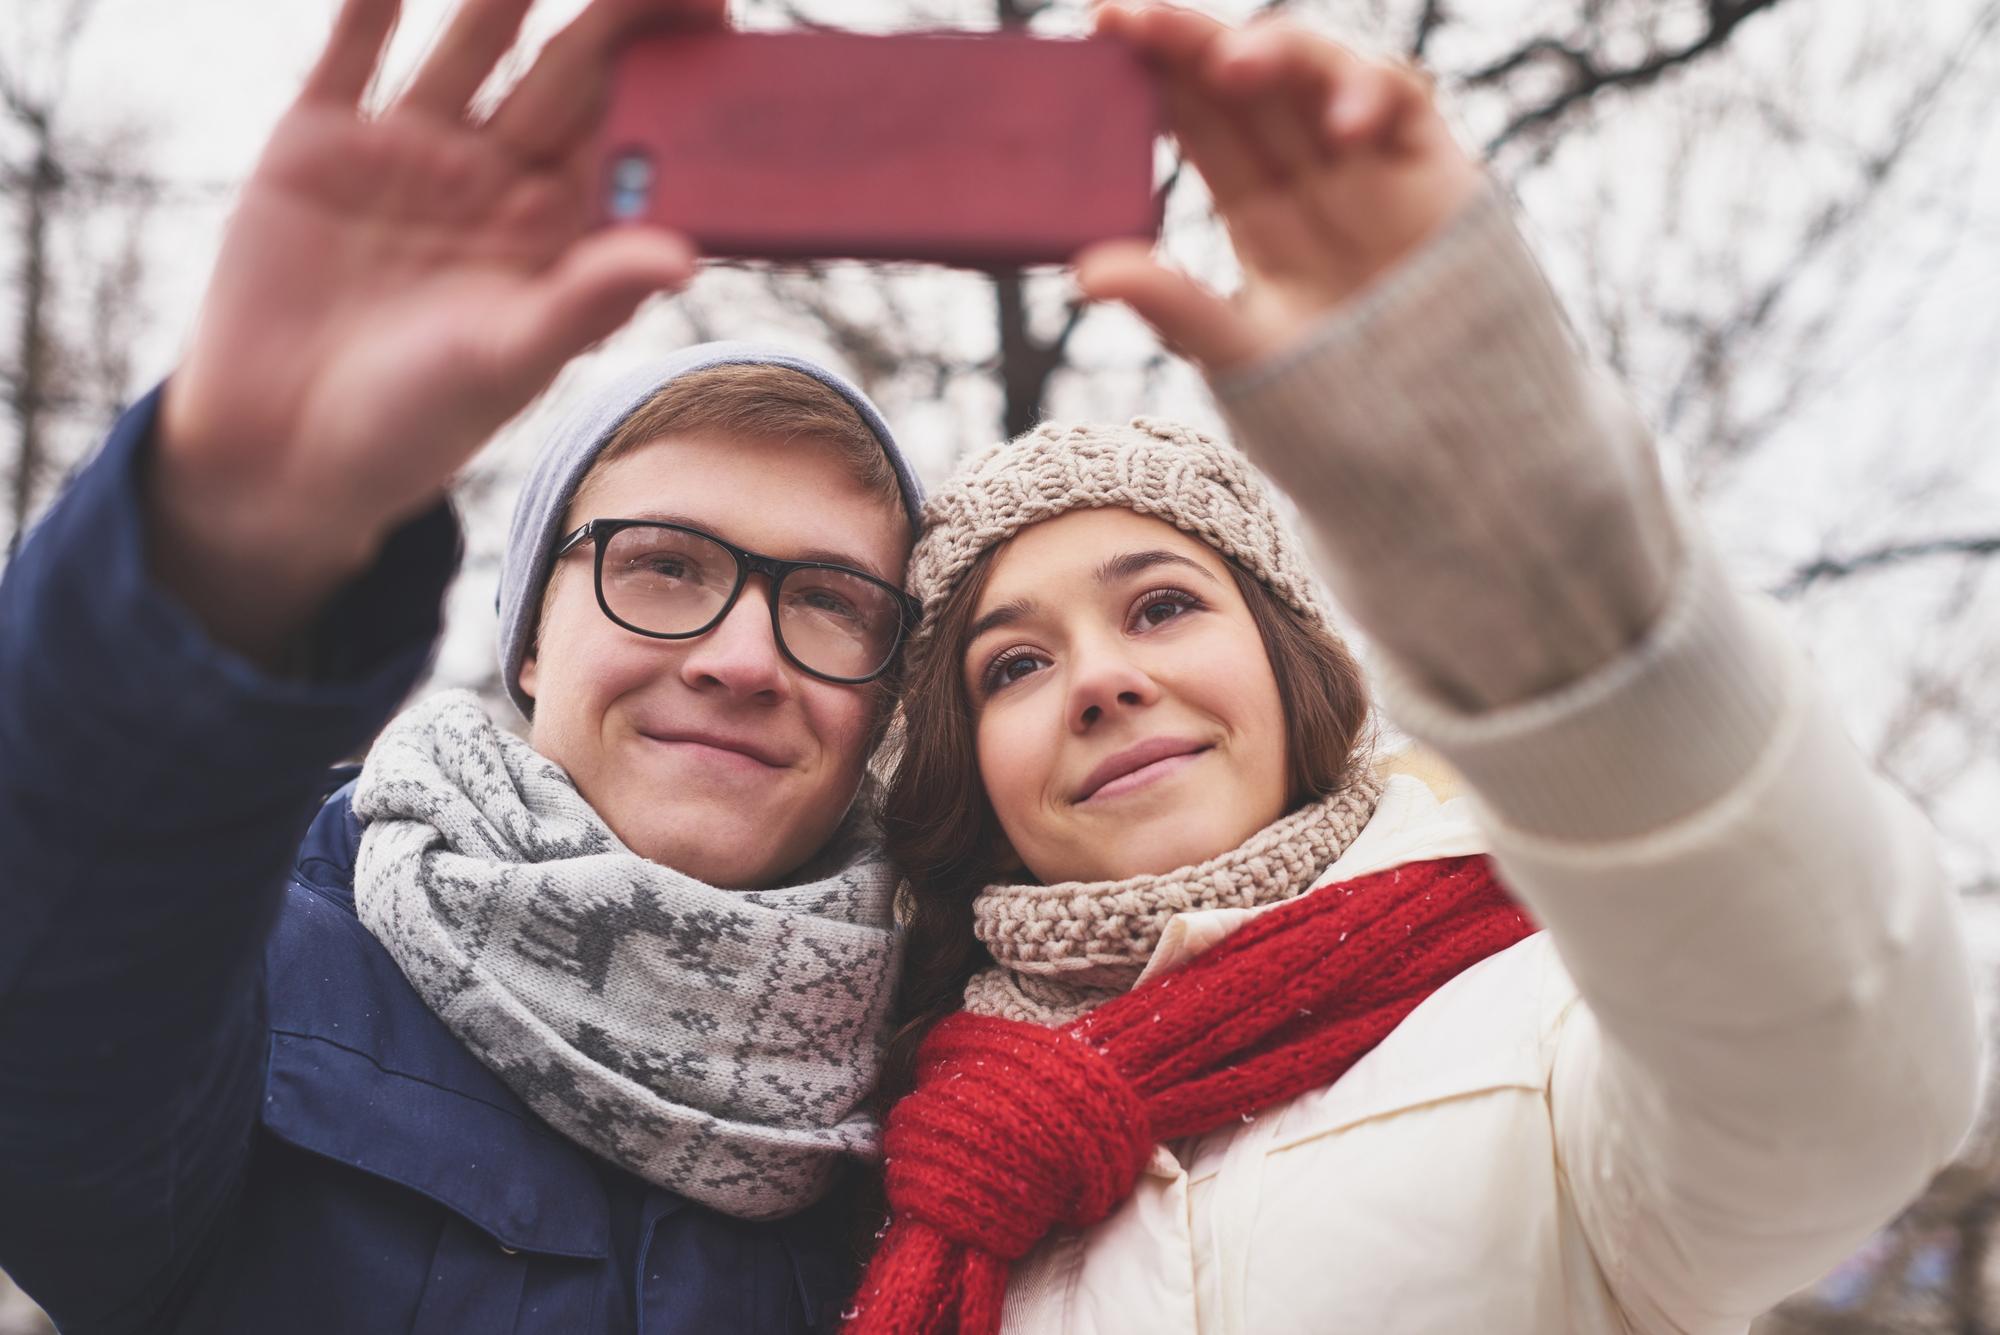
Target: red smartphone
point(984, 150)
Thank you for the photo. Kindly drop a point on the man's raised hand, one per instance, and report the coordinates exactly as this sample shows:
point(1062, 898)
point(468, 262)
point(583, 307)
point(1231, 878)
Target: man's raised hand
point(391, 288)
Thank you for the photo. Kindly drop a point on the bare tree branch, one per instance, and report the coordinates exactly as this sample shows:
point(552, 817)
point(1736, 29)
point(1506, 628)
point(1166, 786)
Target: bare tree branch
point(1586, 75)
point(54, 179)
point(1825, 569)
point(1429, 19)
point(1717, 344)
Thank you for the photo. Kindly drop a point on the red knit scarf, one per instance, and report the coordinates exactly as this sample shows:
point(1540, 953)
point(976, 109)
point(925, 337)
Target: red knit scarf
point(1014, 1129)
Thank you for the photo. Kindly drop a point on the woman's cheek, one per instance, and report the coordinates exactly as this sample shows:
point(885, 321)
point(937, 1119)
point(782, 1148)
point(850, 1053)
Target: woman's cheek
point(1007, 763)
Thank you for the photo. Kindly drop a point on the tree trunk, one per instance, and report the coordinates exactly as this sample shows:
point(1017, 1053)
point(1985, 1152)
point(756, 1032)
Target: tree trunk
point(31, 389)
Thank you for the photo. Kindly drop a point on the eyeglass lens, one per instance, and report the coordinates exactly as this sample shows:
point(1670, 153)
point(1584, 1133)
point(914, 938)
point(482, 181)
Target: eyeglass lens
point(674, 582)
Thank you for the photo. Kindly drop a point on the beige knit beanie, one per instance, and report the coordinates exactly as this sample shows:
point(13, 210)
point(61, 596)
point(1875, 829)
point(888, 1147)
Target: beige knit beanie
point(1152, 467)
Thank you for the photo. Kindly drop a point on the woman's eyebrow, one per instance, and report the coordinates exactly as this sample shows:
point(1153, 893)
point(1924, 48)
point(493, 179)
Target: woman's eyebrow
point(1007, 614)
point(1132, 563)
point(1119, 567)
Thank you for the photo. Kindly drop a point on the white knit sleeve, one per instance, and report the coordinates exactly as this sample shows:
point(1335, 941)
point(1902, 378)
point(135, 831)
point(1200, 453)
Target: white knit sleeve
point(1777, 1045)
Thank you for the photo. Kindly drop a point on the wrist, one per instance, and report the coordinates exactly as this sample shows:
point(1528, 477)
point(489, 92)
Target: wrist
point(253, 559)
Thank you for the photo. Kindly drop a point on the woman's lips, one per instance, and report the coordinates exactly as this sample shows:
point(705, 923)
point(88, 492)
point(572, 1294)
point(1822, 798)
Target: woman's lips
point(1146, 774)
point(1137, 766)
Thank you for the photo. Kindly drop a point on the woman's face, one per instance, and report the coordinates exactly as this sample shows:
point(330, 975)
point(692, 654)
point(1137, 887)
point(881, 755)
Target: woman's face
point(1128, 719)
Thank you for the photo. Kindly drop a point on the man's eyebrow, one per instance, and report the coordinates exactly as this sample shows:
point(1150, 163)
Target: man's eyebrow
point(825, 555)
point(1133, 563)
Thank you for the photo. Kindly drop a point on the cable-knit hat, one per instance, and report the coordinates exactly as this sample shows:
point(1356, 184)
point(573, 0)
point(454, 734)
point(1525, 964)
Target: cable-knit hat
point(1151, 467)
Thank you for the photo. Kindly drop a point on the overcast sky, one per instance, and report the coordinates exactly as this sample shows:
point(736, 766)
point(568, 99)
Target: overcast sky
point(1913, 393)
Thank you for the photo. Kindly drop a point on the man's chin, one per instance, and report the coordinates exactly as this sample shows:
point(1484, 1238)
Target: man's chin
point(739, 848)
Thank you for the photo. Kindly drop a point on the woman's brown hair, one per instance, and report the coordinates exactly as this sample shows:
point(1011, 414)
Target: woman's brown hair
point(946, 841)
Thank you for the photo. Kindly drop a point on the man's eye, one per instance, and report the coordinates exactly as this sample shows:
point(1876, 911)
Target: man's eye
point(831, 604)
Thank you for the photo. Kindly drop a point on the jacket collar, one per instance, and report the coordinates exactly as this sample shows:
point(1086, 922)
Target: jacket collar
point(1409, 825)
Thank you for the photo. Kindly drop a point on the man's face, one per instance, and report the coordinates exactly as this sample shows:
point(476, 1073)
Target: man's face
point(714, 756)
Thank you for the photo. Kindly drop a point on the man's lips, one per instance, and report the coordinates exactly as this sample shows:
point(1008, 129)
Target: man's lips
point(1136, 766)
point(748, 748)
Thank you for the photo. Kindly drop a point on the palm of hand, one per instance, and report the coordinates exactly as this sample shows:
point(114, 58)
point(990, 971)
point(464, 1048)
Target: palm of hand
point(393, 287)
point(395, 255)
point(1311, 243)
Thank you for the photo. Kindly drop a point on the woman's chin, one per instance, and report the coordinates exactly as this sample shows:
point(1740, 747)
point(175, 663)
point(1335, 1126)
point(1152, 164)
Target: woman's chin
point(1164, 843)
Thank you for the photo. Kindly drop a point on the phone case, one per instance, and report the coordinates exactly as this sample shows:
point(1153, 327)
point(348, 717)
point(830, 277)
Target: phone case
point(983, 150)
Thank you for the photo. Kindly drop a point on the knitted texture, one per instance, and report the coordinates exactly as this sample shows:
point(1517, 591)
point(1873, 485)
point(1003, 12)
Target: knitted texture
point(1061, 949)
point(719, 1043)
point(1151, 467)
point(1015, 1129)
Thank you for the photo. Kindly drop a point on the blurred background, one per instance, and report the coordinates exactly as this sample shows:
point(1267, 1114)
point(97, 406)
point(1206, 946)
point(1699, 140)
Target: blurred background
point(1777, 221)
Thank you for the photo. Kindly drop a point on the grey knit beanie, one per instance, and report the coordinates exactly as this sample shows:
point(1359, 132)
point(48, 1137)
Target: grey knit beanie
point(1151, 467)
point(574, 446)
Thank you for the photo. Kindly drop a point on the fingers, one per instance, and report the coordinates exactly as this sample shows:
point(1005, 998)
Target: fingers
point(1293, 97)
point(586, 296)
point(557, 103)
point(480, 33)
point(353, 50)
point(1281, 81)
point(1189, 318)
point(1211, 133)
point(1378, 106)
point(1311, 97)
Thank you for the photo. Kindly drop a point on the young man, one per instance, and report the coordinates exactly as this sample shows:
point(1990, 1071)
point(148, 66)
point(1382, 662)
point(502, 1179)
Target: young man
point(572, 1035)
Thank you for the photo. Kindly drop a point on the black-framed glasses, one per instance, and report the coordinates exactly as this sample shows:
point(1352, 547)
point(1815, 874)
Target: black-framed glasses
point(670, 582)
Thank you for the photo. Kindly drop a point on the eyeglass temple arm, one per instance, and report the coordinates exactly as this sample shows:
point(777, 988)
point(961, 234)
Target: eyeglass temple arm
point(571, 539)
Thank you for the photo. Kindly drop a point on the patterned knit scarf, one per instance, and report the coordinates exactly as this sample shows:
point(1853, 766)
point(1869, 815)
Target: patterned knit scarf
point(1059, 950)
point(1015, 1129)
point(717, 1043)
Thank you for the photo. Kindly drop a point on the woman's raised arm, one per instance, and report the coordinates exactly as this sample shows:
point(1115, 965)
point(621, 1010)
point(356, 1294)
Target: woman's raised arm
point(1778, 1043)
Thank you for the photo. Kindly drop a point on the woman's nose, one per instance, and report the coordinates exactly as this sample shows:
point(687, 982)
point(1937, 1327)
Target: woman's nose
point(1105, 682)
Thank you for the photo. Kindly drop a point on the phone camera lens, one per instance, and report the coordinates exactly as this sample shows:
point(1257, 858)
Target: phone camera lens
point(631, 185)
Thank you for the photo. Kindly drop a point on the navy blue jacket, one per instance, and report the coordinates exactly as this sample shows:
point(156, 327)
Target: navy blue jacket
point(222, 1108)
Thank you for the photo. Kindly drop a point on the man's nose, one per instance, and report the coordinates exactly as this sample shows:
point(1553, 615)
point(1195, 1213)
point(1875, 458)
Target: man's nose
point(739, 654)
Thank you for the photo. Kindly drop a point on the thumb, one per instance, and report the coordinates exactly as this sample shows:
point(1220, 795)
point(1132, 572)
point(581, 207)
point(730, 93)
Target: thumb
point(1195, 322)
point(589, 293)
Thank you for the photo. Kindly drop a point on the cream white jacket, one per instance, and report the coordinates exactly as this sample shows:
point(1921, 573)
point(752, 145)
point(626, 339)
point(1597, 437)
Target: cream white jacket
point(1746, 1037)
point(1771, 1050)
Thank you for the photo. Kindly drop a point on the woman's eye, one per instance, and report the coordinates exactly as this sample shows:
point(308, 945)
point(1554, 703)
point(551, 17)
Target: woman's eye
point(1163, 605)
point(1010, 668)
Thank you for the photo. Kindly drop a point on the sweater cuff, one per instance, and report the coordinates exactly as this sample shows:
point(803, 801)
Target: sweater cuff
point(1489, 509)
point(1444, 348)
point(1662, 731)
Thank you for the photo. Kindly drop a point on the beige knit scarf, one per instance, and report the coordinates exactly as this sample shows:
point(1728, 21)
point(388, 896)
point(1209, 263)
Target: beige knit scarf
point(1059, 950)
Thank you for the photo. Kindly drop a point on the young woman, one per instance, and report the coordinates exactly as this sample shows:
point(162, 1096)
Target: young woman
point(1213, 1029)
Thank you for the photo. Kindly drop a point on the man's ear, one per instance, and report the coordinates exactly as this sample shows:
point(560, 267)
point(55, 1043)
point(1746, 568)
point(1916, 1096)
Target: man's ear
point(526, 676)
